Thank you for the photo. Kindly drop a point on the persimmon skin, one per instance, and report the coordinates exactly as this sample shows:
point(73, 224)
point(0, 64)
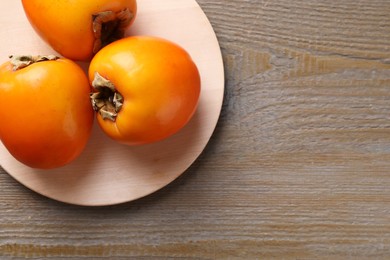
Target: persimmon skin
point(160, 85)
point(67, 25)
point(45, 111)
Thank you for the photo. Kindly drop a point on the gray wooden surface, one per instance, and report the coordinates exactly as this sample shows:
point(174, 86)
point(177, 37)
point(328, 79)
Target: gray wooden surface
point(298, 167)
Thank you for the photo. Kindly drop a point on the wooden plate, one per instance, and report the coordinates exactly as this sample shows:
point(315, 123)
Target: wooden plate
point(108, 173)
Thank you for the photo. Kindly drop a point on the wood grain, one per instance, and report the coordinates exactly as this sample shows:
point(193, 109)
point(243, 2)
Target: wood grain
point(298, 167)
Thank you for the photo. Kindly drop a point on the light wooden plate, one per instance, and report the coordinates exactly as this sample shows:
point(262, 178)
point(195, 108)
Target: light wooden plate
point(108, 173)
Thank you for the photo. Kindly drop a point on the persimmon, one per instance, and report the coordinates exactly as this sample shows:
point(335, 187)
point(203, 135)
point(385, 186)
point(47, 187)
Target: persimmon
point(79, 29)
point(45, 110)
point(145, 89)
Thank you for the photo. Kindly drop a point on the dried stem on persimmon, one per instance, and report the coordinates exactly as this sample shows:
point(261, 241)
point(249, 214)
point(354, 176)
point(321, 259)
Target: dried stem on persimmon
point(22, 61)
point(110, 26)
point(107, 101)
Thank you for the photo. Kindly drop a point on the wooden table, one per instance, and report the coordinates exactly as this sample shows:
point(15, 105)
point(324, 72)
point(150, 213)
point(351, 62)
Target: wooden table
point(298, 167)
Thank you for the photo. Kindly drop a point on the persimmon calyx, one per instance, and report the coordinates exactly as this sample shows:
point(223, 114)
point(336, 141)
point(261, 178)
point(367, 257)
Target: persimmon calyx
point(107, 101)
point(110, 26)
point(22, 61)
